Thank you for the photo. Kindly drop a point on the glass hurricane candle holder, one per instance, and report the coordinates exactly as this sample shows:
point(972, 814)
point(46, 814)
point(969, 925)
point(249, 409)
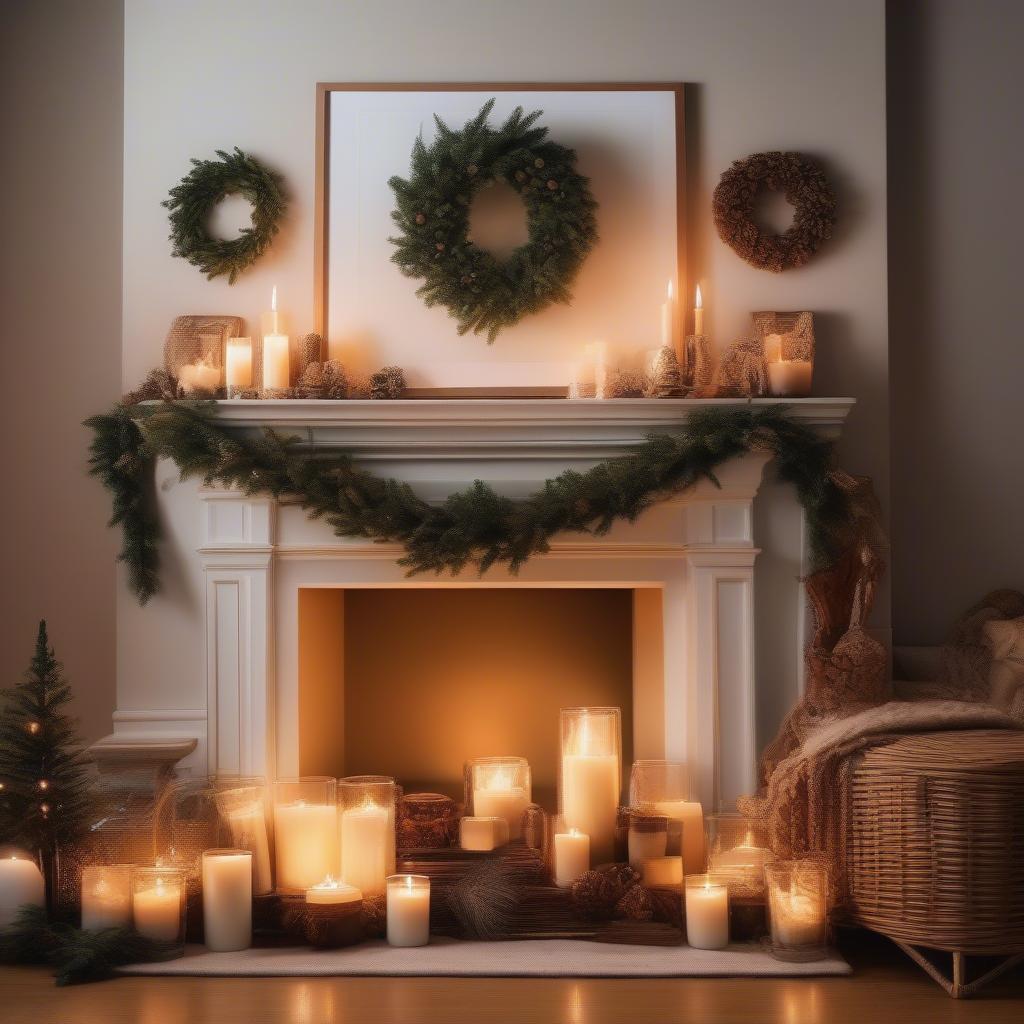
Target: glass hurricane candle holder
point(367, 831)
point(707, 912)
point(738, 850)
point(305, 831)
point(227, 900)
point(106, 896)
point(590, 776)
point(797, 909)
point(158, 906)
point(243, 807)
point(663, 787)
point(499, 787)
point(408, 910)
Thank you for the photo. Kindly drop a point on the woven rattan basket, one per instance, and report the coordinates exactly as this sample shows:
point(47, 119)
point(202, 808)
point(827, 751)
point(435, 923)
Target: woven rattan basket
point(935, 852)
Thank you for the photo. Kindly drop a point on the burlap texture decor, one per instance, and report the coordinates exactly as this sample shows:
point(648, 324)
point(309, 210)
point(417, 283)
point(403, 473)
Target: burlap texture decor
point(795, 331)
point(196, 338)
point(742, 371)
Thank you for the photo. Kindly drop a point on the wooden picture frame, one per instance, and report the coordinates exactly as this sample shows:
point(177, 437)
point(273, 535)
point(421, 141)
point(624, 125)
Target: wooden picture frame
point(322, 199)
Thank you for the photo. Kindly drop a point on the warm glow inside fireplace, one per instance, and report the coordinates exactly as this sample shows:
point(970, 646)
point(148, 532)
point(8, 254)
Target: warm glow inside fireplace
point(414, 681)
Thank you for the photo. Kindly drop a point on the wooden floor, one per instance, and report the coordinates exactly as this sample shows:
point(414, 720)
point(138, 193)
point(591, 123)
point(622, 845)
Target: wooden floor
point(884, 987)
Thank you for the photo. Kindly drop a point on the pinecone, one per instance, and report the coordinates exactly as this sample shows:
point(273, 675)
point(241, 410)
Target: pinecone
point(388, 383)
point(666, 905)
point(158, 384)
point(635, 905)
point(597, 892)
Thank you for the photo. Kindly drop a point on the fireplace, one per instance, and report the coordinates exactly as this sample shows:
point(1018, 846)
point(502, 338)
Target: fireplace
point(278, 648)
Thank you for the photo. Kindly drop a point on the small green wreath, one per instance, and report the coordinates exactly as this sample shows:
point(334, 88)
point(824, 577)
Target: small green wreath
point(193, 199)
point(481, 292)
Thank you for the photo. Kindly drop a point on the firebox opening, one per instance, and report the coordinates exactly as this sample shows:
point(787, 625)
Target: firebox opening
point(412, 682)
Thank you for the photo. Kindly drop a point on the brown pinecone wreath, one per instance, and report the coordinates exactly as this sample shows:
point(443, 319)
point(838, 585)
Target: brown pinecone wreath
point(804, 185)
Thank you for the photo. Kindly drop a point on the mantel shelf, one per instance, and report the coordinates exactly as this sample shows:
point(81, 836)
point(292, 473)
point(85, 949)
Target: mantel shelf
point(491, 428)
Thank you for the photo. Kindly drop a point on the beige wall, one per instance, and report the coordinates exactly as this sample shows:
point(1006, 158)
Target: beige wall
point(956, 167)
point(60, 326)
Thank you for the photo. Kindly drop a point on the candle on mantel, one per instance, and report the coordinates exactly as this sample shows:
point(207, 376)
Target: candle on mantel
point(790, 378)
point(366, 839)
point(227, 900)
point(408, 910)
point(156, 910)
point(668, 320)
point(106, 896)
point(21, 884)
point(707, 913)
point(572, 856)
point(276, 356)
point(698, 313)
point(237, 365)
point(306, 841)
point(591, 774)
point(199, 378)
point(331, 892)
point(497, 795)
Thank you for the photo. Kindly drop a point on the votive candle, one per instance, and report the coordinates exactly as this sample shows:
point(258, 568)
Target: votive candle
point(707, 913)
point(106, 896)
point(571, 855)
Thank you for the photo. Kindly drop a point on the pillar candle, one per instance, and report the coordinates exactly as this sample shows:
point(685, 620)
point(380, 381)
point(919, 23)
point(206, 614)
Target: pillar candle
point(276, 356)
point(481, 833)
point(662, 872)
point(499, 799)
point(687, 837)
point(572, 856)
point(106, 897)
point(306, 840)
point(238, 364)
point(248, 827)
point(590, 798)
point(790, 378)
point(227, 900)
point(648, 838)
point(408, 910)
point(366, 842)
point(21, 884)
point(707, 914)
point(157, 911)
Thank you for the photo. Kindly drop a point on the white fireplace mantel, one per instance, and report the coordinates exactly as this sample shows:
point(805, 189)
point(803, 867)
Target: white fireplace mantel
point(214, 657)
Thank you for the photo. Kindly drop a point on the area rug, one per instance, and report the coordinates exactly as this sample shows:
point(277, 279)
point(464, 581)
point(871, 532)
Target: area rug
point(531, 958)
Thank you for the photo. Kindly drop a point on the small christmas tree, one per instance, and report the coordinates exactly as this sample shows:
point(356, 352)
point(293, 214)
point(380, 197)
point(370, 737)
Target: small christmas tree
point(46, 800)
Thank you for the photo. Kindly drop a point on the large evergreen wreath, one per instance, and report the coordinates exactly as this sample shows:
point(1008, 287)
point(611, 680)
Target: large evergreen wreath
point(193, 199)
point(474, 527)
point(482, 293)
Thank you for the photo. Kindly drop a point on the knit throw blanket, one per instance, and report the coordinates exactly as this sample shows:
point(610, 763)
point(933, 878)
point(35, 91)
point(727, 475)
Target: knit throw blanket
point(805, 805)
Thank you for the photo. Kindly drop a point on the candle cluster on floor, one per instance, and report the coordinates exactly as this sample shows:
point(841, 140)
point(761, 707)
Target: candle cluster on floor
point(330, 855)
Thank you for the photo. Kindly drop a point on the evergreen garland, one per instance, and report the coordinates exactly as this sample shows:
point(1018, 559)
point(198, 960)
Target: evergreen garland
point(482, 293)
point(46, 800)
point(474, 527)
point(193, 199)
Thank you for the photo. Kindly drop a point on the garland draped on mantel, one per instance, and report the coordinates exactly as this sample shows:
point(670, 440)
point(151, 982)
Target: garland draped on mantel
point(474, 527)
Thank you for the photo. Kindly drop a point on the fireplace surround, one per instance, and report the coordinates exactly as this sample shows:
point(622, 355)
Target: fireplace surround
point(209, 670)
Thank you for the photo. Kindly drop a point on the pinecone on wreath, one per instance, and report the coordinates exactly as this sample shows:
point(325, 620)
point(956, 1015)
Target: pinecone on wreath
point(388, 383)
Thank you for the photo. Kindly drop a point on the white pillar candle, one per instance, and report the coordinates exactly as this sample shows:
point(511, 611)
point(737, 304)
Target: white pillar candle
point(306, 841)
point(408, 910)
point(790, 378)
point(498, 798)
point(248, 827)
point(687, 835)
point(572, 856)
point(156, 911)
point(698, 313)
point(707, 914)
point(590, 799)
point(21, 884)
point(238, 364)
point(647, 839)
point(367, 844)
point(227, 900)
point(106, 897)
point(662, 872)
point(481, 833)
point(772, 348)
point(276, 356)
point(331, 892)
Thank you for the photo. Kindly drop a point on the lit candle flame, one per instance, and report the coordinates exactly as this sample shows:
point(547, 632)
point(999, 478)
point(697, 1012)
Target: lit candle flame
point(574, 831)
point(669, 290)
point(500, 779)
point(408, 881)
point(273, 300)
point(699, 301)
point(328, 883)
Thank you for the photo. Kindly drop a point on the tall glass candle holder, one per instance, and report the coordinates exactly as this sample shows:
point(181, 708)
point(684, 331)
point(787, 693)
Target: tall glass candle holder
point(305, 832)
point(797, 909)
point(408, 910)
point(499, 787)
point(227, 900)
point(158, 906)
point(590, 778)
point(367, 832)
point(242, 805)
point(707, 912)
point(738, 851)
point(663, 787)
point(106, 896)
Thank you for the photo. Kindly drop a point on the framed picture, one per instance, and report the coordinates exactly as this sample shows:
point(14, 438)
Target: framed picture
point(628, 139)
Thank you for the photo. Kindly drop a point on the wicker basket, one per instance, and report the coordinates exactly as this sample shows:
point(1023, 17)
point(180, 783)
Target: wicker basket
point(935, 854)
